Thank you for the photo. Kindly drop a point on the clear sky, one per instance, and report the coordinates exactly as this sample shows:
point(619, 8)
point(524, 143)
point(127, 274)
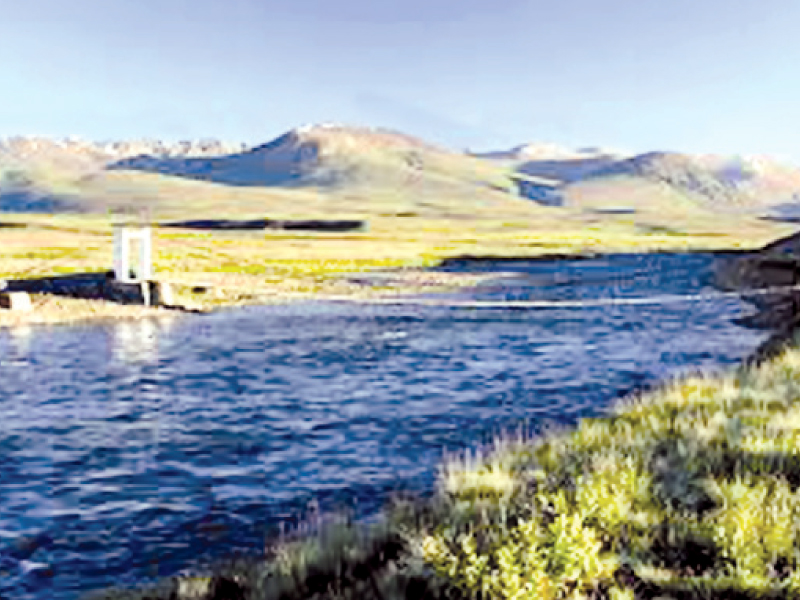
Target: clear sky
point(690, 75)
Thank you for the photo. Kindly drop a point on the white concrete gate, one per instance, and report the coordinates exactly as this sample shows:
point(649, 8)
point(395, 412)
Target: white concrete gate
point(124, 237)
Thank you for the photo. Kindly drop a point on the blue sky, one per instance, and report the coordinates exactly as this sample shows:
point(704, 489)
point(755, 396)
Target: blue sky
point(689, 75)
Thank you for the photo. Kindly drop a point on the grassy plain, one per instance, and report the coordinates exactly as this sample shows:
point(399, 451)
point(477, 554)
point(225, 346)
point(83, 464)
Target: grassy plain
point(265, 266)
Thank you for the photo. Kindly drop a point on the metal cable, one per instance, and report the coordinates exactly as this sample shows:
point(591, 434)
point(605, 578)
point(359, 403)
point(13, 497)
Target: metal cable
point(565, 303)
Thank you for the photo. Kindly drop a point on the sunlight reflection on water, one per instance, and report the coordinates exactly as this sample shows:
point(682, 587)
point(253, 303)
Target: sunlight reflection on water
point(156, 436)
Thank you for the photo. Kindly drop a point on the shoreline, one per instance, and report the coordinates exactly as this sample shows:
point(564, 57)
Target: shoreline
point(50, 310)
point(380, 285)
point(479, 258)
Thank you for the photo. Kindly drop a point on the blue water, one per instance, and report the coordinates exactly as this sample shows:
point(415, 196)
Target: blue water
point(133, 450)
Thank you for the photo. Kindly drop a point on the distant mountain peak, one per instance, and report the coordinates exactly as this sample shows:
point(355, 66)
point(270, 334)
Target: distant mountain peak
point(332, 136)
point(115, 149)
point(310, 127)
point(550, 152)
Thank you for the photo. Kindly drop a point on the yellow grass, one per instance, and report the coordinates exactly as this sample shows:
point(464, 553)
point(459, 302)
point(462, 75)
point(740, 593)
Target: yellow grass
point(247, 267)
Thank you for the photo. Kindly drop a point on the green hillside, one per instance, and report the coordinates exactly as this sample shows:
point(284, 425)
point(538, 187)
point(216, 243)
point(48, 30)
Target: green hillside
point(328, 170)
point(318, 169)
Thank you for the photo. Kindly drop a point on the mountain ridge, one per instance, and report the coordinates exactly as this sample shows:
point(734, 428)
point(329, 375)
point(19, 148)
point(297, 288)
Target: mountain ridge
point(368, 162)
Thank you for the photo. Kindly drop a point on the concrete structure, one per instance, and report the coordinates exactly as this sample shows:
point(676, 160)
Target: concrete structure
point(97, 286)
point(131, 282)
point(149, 293)
point(163, 294)
point(124, 236)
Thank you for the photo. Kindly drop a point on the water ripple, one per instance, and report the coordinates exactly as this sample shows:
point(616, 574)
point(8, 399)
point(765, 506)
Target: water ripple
point(135, 449)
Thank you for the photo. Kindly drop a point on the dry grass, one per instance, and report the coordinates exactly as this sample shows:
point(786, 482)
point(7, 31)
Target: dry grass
point(255, 267)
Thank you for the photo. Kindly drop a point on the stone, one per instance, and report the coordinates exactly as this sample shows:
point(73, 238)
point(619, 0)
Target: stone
point(163, 294)
point(18, 301)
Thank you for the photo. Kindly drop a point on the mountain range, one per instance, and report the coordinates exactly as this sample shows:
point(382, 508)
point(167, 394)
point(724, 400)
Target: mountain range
point(377, 168)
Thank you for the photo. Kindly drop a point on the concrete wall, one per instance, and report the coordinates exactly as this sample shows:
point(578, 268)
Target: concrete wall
point(96, 286)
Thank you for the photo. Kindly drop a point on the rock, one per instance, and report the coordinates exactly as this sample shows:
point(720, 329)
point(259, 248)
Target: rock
point(770, 317)
point(756, 271)
point(774, 266)
point(163, 294)
point(18, 301)
point(207, 588)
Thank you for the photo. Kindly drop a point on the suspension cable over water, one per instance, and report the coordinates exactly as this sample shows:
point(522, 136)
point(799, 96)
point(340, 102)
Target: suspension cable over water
point(598, 302)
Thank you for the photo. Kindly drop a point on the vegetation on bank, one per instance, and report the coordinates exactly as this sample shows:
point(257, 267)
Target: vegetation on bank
point(228, 268)
point(686, 491)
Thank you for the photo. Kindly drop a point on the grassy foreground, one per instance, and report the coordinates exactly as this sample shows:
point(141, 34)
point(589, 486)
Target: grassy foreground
point(686, 491)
